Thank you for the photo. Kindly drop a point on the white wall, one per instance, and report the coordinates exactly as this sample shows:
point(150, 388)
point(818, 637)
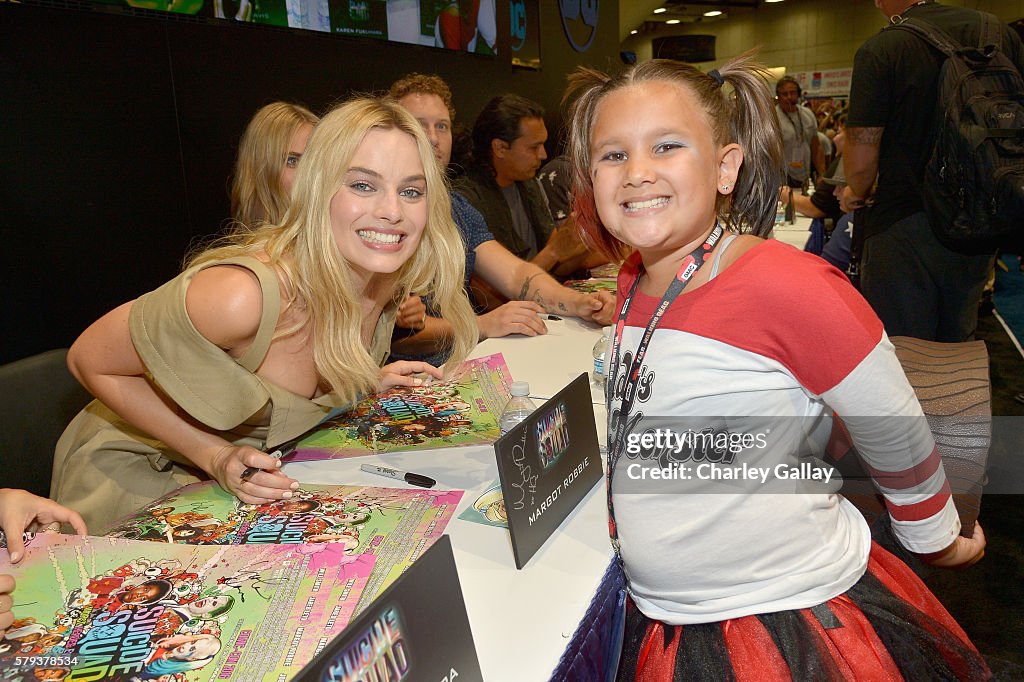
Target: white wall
point(802, 35)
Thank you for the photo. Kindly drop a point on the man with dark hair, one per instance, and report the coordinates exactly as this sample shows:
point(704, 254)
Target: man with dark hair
point(508, 149)
point(428, 99)
point(799, 129)
point(917, 286)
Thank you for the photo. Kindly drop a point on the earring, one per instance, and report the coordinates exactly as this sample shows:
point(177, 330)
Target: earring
point(725, 188)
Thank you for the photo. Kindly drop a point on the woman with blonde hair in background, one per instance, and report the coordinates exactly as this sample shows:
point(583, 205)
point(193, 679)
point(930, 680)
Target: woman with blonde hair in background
point(264, 333)
point(268, 156)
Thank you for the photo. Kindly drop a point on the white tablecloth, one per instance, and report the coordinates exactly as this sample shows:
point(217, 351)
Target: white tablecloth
point(521, 619)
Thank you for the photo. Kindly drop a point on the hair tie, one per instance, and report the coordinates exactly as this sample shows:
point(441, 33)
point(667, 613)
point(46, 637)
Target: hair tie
point(717, 77)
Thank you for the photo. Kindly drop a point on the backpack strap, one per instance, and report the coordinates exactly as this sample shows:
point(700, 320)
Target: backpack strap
point(990, 34)
point(930, 33)
point(989, 37)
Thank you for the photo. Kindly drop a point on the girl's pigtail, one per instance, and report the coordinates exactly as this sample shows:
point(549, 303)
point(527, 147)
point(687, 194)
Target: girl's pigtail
point(755, 128)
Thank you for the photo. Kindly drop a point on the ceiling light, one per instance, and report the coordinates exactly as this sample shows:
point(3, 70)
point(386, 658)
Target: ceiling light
point(672, 21)
point(633, 32)
point(660, 10)
point(713, 13)
point(773, 0)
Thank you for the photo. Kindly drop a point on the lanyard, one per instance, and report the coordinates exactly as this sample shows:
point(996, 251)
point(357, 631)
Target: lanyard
point(617, 437)
point(800, 120)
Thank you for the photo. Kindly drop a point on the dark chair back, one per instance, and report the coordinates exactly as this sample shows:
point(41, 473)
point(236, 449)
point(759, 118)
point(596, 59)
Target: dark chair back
point(38, 397)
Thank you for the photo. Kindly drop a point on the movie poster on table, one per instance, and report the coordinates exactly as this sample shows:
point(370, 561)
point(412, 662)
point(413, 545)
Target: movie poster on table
point(97, 609)
point(416, 630)
point(462, 411)
point(547, 464)
point(380, 531)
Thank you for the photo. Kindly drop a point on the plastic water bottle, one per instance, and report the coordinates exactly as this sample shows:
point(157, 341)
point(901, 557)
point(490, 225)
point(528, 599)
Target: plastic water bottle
point(780, 212)
point(600, 350)
point(518, 408)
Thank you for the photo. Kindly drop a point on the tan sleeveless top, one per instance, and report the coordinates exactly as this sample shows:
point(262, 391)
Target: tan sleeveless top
point(97, 468)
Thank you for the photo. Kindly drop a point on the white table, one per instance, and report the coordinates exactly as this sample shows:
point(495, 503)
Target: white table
point(795, 234)
point(521, 619)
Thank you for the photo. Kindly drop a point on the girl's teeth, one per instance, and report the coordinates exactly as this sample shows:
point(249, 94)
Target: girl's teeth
point(649, 203)
point(379, 237)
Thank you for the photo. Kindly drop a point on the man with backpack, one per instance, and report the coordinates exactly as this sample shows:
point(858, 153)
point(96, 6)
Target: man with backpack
point(927, 232)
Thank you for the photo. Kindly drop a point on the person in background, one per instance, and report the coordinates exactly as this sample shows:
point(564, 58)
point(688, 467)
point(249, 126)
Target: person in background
point(776, 582)
point(264, 333)
point(837, 249)
point(555, 179)
point(799, 130)
point(531, 290)
point(268, 156)
point(21, 511)
point(508, 150)
point(822, 203)
point(916, 285)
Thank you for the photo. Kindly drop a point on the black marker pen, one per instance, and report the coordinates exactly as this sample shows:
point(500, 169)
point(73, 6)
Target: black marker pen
point(413, 479)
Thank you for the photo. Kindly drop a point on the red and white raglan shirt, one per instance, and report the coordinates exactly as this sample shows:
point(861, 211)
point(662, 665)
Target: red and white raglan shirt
point(778, 334)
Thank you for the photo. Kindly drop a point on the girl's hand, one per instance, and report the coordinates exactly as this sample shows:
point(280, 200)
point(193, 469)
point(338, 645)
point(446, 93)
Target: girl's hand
point(21, 510)
point(412, 314)
point(403, 373)
point(962, 553)
point(266, 485)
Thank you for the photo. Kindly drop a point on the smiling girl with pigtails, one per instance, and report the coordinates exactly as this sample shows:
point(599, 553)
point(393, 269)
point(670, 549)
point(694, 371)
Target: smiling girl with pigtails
point(718, 323)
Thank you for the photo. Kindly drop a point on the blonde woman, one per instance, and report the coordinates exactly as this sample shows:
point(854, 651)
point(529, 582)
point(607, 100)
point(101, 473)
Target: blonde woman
point(268, 157)
point(260, 336)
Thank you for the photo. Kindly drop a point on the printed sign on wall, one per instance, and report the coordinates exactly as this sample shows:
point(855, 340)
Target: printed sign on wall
point(579, 20)
point(833, 83)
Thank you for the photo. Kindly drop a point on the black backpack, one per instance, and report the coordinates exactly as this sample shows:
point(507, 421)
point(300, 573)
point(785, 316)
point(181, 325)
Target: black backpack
point(973, 186)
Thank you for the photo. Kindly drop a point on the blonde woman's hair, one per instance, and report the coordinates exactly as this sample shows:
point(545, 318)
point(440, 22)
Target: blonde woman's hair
point(303, 249)
point(742, 113)
point(257, 195)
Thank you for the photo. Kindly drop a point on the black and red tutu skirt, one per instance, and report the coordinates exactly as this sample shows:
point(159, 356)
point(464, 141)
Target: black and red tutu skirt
point(888, 626)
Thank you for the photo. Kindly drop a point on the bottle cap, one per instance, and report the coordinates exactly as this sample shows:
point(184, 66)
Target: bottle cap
point(520, 389)
point(606, 331)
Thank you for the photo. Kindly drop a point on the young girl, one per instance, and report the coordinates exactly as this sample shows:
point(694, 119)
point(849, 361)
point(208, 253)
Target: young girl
point(268, 157)
point(259, 337)
point(717, 321)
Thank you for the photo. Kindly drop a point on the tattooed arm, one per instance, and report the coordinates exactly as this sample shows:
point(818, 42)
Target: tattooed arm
point(518, 279)
point(860, 163)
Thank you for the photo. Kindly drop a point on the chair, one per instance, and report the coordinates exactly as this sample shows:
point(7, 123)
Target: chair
point(952, 384)
point(38, 397)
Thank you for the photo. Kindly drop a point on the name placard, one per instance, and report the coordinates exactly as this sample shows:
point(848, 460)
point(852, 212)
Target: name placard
point(417, 629)
point(547, 464)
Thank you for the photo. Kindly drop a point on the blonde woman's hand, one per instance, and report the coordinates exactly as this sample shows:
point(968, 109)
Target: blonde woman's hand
point(412, 314)
point(404, 373)
point(266, 484)
point(20, 510)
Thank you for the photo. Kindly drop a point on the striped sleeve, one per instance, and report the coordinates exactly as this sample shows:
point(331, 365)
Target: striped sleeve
point(885, 422)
